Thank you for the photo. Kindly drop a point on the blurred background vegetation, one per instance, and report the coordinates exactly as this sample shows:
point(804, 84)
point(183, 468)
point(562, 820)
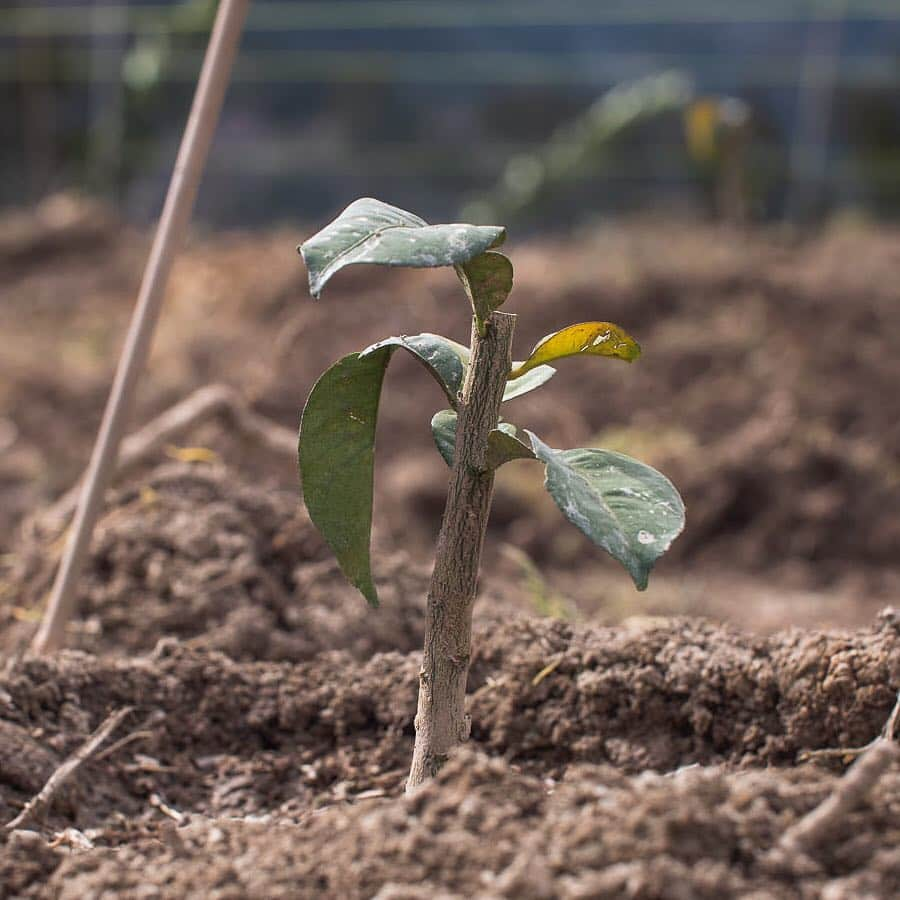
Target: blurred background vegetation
point(541, 114)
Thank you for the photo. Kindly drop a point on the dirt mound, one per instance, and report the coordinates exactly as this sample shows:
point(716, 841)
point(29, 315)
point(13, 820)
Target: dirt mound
point(311, 758)
point(269, 713)
point(544, 696)
point(190, 551)
point(667, 695)
point(766, 389)
point(756, 393)
point(484, 830)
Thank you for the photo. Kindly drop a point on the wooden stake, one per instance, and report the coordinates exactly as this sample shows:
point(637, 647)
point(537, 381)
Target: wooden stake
point(176, 214)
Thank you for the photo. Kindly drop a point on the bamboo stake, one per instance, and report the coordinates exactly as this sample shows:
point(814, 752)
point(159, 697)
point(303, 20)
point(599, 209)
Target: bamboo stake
point(176, 214)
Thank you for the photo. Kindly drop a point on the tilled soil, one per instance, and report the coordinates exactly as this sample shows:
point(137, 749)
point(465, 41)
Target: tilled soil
point(193, 552)
point(766, 389)
point(486, 830)
point(652, 762)
point(269, 714)
point(270, 724)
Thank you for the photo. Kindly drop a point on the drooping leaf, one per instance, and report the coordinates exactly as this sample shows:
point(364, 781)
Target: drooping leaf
point(504, 442)
point(627, 508)
point(337, 442)
point(487, 279)
point(445, 359)
point(584, 339)
point(369, 231)
point(337, 454)
point(532, 379)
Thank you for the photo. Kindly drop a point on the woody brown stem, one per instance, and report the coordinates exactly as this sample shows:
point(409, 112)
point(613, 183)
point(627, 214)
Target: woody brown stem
point(441, 720)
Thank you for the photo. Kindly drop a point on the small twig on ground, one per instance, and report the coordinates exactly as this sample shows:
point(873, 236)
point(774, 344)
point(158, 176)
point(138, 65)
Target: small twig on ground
point(846, 754)
point(889, 732)
point(73, 839)
point(862, 776)
point(157, 803)
point(45, 797)
point(123, 742)
point(874, 760)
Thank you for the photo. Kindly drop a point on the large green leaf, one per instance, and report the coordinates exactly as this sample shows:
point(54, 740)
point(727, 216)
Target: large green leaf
point(583, 339)
point(627, 508)
point(504, 442)
point(337, 442)
point(337, 454)
point(369, 231)
point(487, 279)
point(445, 359)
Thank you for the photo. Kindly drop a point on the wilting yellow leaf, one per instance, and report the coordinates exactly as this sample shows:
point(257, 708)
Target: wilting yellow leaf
point(586, 338)
point(192, 454)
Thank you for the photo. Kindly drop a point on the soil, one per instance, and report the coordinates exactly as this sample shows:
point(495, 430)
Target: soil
point(220, 564)
point(619, 748)
point(651, 762)
point(766, 390)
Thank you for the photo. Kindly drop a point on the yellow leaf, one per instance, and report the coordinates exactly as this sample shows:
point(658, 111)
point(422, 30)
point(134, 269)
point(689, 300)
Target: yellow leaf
point(192, 454)
point(584, 339)
point(700, 122)
point(26, 614)
point(148, 495)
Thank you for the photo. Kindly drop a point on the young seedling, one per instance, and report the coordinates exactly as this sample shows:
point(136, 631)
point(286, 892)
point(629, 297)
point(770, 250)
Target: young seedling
point(627, 508)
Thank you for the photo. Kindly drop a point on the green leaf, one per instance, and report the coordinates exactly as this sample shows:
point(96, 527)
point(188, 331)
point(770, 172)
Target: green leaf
point(443, 430)
point(504, 444)
point(448, 360)
point(529, 382)
point(584, 339)
point(369, 231)
point(337, 442)
point(627, 508)
point(532, 379)
point(445, 359)
point(337, 453)
point(487, 279)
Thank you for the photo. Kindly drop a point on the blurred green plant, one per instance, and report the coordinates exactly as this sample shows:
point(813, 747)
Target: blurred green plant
point(716, 132)
point(624, 506)
point(145, 66)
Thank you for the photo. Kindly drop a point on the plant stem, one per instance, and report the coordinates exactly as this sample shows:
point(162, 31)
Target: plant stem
point(441, 720)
